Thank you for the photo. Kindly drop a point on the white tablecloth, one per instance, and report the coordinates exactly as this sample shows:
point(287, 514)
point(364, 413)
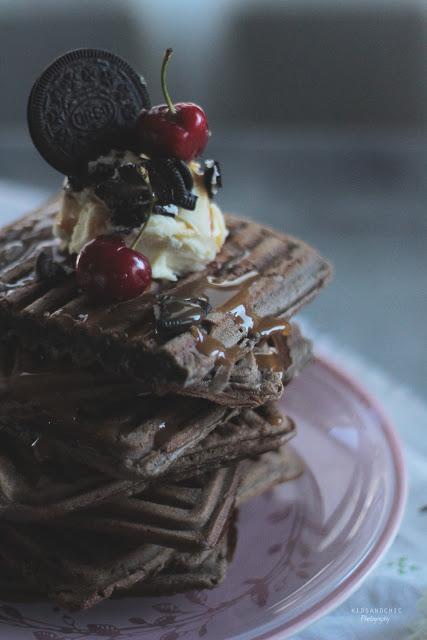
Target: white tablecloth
point(16, 199)
point(394, 597)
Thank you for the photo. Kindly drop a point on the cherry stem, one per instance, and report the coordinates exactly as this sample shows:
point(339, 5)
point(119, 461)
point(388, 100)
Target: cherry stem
point(149, 213)
point(144, 224)
point(167, 57)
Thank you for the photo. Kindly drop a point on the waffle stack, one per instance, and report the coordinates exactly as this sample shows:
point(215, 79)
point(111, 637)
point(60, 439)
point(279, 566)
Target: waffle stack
point(131, 431)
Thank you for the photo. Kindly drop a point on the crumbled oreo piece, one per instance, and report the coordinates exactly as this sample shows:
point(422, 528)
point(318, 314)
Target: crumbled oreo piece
point(175, 315)
point(101, 171)
point(84, 104)
point(168, 210)
point(127, 195)
point(130, 190)
point(131, 174)
point(171, 181)
point(51, 265)
point(76, 183)
point(185, 172)
point(188, 201)
point(212, 177)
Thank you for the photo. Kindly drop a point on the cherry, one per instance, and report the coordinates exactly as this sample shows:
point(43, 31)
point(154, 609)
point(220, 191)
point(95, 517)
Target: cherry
point(108, 270)
point(179, 130)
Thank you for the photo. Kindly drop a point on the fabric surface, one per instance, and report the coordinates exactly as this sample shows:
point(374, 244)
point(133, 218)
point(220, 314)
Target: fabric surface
point(392, 601)
point(16, 199)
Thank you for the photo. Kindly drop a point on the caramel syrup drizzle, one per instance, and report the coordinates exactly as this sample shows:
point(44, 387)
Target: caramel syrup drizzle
point(271, 360)
point(218, 293)
point(272, 414)
point(213, 348)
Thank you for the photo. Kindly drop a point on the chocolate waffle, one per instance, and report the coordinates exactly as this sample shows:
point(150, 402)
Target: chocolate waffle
point(182, 572)
point(31, 490)
point(139, 439)
point(79, 571)
point(259, 376)
point(258, 276)
point(205, 569)
point(104, 416)
point(269, 469)
point(189, 571)
point(246, 435)
point(109, 425)
point(38, 482)
point(189, 514)
point(201, 503)
point(104, 422)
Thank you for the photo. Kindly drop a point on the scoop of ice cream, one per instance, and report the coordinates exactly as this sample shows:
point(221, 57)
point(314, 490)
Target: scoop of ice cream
point(81, 217)
point(174, 246)
point(186, 242)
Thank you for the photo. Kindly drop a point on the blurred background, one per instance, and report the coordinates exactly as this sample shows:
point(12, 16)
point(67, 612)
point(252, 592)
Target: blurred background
point(318, 111)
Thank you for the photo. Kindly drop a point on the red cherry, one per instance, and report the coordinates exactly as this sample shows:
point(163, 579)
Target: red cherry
point(108, 270)
point(182, 135)
point(179, 130)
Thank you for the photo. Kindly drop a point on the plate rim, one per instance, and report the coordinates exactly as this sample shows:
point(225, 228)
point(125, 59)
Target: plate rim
point(353, 581)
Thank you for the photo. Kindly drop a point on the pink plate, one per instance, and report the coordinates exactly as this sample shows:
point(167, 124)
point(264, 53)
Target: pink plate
point(302, 548)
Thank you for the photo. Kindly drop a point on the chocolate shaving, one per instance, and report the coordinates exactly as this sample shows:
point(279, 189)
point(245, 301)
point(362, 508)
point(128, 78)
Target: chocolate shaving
point(130, 190)
point(127, 195)
point(171, 182)
point(51, 265)
point(175, 315)
point(212, 177)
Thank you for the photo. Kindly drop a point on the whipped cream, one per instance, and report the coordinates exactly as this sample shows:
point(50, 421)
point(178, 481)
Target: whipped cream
point(174, 246)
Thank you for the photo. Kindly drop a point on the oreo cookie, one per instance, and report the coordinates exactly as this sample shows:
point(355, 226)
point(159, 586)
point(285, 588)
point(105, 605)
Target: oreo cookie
point(85, 103)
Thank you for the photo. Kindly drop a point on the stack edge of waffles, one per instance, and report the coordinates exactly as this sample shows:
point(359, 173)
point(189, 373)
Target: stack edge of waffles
point(146, 340)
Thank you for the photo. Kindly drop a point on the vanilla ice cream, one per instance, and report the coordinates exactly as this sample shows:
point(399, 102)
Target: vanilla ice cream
point(174, 246)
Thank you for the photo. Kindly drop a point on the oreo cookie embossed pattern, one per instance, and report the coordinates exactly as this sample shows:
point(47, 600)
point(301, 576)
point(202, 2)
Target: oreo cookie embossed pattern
point(82, 106)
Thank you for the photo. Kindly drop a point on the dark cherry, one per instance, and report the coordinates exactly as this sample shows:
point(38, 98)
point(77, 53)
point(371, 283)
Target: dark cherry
point(179, 130)
point(108, 270)
point(183, 135)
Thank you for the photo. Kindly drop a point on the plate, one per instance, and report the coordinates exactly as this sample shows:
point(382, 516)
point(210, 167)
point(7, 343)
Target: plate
point(302, 548)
